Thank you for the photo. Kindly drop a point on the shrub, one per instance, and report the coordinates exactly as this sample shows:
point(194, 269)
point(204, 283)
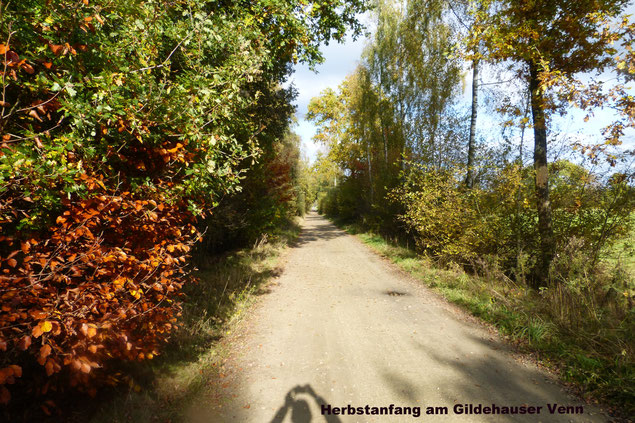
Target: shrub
point(100, 285)
point(452, 223)
point(124, 124)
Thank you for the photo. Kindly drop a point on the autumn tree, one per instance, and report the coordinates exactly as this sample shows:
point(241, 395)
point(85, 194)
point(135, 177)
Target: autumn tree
point(433, 80)
point(546, 37)
point(398, 103)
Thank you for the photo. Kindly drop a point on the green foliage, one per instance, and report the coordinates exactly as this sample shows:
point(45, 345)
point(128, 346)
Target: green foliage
point(455, 224)
point(93, 87)
point(125, 125)
point(271, 193)
point(559, 36)
point(439, 213)
point(397, 105)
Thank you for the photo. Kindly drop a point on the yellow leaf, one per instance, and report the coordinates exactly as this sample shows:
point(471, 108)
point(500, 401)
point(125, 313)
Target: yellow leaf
point(92, 331)
point(46, 326)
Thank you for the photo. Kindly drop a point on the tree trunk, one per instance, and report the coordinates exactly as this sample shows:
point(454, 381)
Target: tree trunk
point(519, 207)
point(547, 241)
point(383, 132)
point(469, 177)
point(370, 175)
point(370, 168)
point(381, 116)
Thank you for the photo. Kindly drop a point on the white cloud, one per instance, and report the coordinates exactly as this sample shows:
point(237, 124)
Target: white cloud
point(340, 60)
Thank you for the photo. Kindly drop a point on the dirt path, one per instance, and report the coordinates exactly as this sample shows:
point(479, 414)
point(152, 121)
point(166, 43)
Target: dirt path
point(340, 327)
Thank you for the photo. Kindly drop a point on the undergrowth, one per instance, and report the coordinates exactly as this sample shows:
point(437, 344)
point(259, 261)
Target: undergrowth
point(573, 329)
point(161, 390)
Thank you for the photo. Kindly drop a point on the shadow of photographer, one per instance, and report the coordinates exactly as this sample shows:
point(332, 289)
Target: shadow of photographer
point(297, 402)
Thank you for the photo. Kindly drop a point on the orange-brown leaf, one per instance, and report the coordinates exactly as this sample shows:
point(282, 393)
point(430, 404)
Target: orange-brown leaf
point(12, 57)
point(45, 351)
point(85, 368)
point(8, 374)
point(50, 367)
point(57, 328)
point(28, 68)
point(24, 343)
point(42, 327)
point(5, 396)
point(37, 331)
point(38, 314)
point(56, 49)
point(17, 370)
point(92, 331)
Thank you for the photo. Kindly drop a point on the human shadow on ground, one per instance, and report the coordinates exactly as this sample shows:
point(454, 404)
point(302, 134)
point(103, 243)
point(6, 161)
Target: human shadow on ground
point(296, 403)
point(317, 228)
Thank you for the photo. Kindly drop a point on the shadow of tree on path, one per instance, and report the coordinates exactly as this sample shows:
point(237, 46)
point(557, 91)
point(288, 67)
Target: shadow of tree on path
point(317, 228)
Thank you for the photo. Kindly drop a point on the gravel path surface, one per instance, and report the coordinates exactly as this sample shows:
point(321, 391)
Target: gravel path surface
point(342, 327)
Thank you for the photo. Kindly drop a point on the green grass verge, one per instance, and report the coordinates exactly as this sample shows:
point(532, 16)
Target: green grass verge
point(594, 354)
point(162, 389)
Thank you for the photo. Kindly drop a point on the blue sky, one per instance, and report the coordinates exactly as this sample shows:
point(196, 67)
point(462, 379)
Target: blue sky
point(341, 59)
